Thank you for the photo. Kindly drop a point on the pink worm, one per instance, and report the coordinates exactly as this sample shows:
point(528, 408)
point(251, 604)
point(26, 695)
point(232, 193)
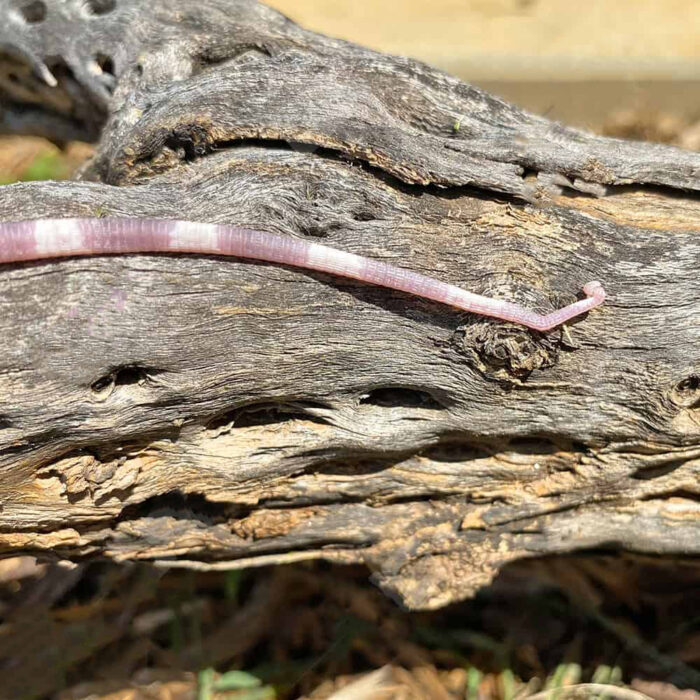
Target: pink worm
point(53, 238)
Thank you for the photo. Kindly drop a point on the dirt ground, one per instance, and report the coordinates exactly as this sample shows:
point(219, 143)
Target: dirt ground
point(599, 626)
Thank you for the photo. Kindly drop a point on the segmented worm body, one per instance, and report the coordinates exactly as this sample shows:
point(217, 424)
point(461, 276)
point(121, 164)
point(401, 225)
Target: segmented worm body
point(53, 238)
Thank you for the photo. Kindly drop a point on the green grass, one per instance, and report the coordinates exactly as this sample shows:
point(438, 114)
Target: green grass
point(49, 165)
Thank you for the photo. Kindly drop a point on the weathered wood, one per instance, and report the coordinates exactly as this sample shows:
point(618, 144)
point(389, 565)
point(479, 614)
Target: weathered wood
point(229, 414)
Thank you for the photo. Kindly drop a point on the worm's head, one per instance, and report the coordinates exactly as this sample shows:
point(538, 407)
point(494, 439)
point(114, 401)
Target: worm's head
point(594, 290)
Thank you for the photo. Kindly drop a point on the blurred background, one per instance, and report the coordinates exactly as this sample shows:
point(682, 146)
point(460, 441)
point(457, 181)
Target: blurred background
point(598, 64)
point(627, 68)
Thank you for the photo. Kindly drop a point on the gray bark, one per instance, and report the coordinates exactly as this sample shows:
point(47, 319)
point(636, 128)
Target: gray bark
point(208, 412)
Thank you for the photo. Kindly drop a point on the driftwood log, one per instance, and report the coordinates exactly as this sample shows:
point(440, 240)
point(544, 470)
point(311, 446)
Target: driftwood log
point(207, 412)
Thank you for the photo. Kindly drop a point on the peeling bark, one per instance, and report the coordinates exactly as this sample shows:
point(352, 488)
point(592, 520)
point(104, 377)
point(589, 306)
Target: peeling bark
point(207, 412)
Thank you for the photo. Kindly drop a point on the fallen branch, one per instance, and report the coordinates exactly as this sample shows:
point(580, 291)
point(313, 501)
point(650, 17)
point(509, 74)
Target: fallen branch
point(211, 412)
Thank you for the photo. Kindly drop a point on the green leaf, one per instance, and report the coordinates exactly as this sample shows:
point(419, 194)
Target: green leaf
point(205, 682)
point(47, 166)
point(507, 684)
point(474, 677)
point(236, 680)
point(232, 584)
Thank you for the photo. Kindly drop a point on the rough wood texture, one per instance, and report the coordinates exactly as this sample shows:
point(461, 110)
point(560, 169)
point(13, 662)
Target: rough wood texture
point(223, 413)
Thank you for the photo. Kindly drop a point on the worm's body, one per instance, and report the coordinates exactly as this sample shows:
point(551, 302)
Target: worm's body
point(52, 238)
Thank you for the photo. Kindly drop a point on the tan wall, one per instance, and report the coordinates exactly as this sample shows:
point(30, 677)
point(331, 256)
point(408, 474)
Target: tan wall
point(529, 38)
point(646, 52)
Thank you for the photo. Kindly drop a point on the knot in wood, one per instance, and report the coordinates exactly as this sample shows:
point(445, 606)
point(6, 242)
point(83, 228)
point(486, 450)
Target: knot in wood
point(506, 351)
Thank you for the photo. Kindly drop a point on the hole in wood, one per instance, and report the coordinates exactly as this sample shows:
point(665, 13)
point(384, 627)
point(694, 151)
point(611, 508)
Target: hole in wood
point(60, 69)
point(176, 504)
point(33, 12)
point(363, 215)
point(687, 392)
point(266, 413)
point(100, 7)
point(658, 471)
point(127, 375)
point(354, 467)
point(448, 452)
point(209, 57)
point(532, 446)
point(105, 63)
point(401, 397)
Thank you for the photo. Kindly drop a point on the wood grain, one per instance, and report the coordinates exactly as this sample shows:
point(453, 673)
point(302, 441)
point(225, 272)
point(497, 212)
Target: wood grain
point(197, 411)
